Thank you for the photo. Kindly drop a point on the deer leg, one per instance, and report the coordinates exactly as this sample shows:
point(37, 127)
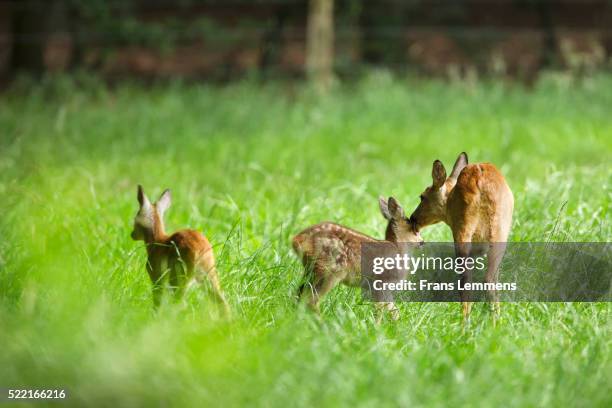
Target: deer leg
point(174, 278)
point(157, 283)
point(394, 310)
point(462, 250)
point(385, 303)
point(324, 281)
point(466, 305)
point(215, 289)
point(321, 288)
point(157, 292)
point(184, 278)
point(307, 278)
point(389, 307)
point(190, 284)
point(495, 255)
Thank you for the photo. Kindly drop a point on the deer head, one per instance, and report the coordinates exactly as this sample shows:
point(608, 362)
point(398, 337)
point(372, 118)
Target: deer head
point(432, 208)
point(149, 220)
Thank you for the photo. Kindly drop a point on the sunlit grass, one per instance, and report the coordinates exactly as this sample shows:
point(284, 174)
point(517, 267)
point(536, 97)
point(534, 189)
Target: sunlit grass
point(250, 165)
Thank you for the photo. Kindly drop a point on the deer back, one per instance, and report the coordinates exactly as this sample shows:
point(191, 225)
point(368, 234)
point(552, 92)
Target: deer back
point(481, 201)
point(188, 247)
point(330, 246)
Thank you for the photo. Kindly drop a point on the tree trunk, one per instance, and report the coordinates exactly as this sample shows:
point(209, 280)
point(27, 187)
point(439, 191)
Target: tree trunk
point(320, 43)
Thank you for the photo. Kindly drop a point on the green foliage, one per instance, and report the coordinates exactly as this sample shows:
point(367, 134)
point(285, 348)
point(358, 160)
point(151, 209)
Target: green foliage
point(251, 165)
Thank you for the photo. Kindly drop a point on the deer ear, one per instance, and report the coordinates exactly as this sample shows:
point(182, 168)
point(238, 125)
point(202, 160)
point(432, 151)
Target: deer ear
point(164, 201)
point(438, 174)
point(395, 209)
point(384, 208)
point(142, 197)
point(460, 164)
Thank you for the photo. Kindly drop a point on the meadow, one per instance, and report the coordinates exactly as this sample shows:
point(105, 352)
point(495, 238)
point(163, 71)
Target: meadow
point(252, 164)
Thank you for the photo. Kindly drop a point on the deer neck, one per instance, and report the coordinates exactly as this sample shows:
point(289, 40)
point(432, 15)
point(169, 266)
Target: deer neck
point(390, 234)
point(450, 186)
point(400, 247)
point(157, 234)
point(391, 237)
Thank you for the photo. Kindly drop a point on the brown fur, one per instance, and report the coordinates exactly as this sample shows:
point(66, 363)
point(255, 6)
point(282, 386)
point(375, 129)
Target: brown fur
point(477, 203)
point(476, 207)
point(331, 253)
point(184, 258)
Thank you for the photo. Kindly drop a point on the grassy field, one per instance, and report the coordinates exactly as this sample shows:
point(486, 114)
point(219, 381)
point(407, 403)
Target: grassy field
point(251, 165)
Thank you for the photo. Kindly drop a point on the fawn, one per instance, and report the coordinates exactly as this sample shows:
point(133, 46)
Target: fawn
point(476, 203)
point(331, 253)
point(184, 258)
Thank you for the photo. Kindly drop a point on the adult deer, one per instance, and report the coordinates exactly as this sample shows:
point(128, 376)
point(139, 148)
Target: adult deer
point(476, 203)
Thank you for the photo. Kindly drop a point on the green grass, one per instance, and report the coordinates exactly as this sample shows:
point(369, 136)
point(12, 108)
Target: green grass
point(251, 165)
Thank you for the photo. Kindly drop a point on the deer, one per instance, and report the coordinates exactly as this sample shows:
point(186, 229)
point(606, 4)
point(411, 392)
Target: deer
point(331, 254)
point(183, 259)
point(477, 204)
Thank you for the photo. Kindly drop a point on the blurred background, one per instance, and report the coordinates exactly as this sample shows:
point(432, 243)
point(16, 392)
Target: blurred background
point(219, 101)
point(326, 40)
